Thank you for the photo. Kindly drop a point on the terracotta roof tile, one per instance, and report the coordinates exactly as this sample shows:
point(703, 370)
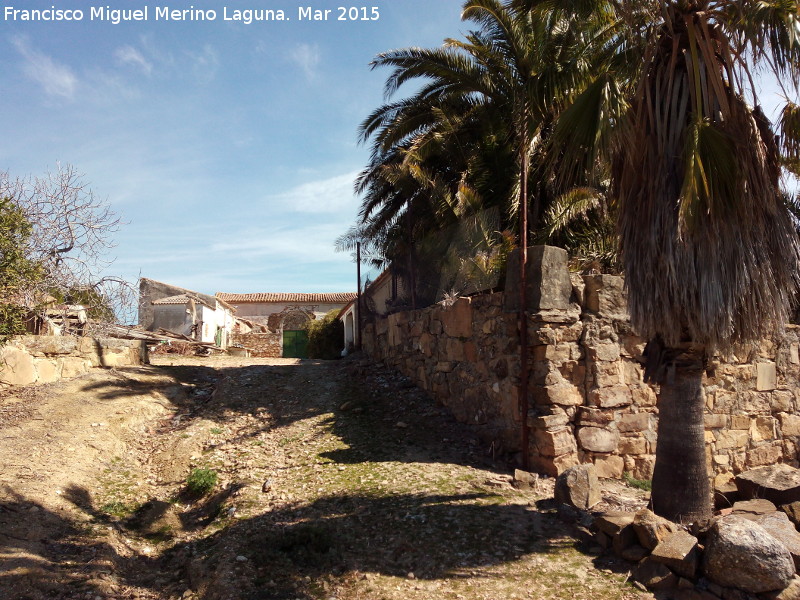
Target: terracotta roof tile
point(334, 298)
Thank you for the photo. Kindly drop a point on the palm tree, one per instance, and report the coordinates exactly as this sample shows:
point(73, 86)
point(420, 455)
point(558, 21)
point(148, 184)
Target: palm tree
point(708, 247)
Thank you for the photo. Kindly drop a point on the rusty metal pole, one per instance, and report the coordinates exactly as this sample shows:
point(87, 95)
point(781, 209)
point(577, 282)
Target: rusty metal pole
point(522, 315)
point(358, 296)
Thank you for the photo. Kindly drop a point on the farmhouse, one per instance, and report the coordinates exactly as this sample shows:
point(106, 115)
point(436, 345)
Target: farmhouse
point(284, 316)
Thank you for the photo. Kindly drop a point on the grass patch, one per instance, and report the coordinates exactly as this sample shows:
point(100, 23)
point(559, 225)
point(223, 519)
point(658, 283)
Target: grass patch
point(639, 484)
point(118, 509)
point(217, 430)
point(201, 481)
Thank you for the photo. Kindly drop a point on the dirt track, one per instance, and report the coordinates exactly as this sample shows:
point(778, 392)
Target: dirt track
point(331, 485)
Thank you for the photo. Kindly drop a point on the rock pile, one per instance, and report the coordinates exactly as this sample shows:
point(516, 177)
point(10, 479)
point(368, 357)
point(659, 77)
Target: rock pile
point(748, 550)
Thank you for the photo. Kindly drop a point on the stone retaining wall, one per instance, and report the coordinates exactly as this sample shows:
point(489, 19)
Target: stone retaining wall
point(261, 345)
point(28, 360)
point(587, 396)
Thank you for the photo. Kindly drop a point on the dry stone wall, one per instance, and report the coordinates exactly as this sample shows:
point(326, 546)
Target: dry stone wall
point(588, 400)
point(261, 345)
point(28, 360)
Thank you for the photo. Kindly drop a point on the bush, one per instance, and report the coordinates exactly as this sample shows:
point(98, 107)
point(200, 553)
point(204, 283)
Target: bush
point(326, 336)
point(201, 481)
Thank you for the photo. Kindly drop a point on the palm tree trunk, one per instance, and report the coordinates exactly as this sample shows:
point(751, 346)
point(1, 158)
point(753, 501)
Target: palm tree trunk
point(681, 489)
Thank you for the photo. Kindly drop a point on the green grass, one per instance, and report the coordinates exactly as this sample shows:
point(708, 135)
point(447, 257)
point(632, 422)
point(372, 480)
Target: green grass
point(639, 484)
point(201, 481)
point(216, 430)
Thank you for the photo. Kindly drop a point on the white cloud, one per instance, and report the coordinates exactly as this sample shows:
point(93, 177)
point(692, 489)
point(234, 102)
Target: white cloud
point(131, 56)
point(307, 57)
point(55, 79)
point(205, 64)
point(332, 195)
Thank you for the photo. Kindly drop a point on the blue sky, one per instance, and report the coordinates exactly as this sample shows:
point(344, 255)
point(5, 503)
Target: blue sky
point(229, 149)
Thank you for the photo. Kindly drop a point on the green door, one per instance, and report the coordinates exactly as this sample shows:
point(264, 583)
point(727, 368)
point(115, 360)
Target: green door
point(294, 343)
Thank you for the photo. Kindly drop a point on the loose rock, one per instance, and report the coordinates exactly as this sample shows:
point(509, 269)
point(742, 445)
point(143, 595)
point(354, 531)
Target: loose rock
point(578, 486)
point(778, 483)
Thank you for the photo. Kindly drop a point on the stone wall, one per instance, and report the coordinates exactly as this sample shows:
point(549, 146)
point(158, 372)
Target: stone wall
point(261, 345)
point(587, 396)
point(28, 360)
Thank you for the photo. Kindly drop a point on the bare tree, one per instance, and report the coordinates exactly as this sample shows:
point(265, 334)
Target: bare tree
point(71, 240)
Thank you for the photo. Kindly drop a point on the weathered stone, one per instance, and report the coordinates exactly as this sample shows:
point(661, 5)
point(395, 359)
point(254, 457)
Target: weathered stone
point(603, 352)
point(564, 394)
point(634, 422)
point(791, 592)
point(652, 529)
point(716, 421)
point(548, 282)
point(525, 480)
point(766, 377)
point(792, 510)
point(578, 487)
point(766, 454)
point(632, 445)
point(634, 553)
point(73, 367)
point(741, 554)
point(725, 491)
point(623, 540)
point(609, 467)
point(612, 522)
point(732, 439)
point(594, 416)
point(782, 529)
point(790, 425)
point(752, 509)
point(762, 429)
point(782, 401)
point(611, 397)
point(16, 366)
point(47, 371)
point(778, 483)
point(740, 422)
point(548, 421)
point(605, 296)
point(50, 345)
point(457, 319)
point(555, 442)
point(595, 439)
point(678, 551)
point(655, 575)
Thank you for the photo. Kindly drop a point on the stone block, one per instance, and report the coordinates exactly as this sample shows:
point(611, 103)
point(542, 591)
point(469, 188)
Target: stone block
point(555, 442)
point(50, 345)
point(611, 397)
point(790, 425)
point(596, 439)
point(609, 467)
point(605, 296)
point(655, 575)
point(779, 526)
point(766, 376)
point(643, 395)
point(603, 352)
point(651, 529)
point(457, 319)
point(16, 366)
point(634, 422)
point(779, 483)
point(548, 283)
point(632, 445)
point(612, 522)
point(753, 509)
point(643, 467)
point(578, 486)
point(553, 466)
point(678, 551)
point(594, 416)
point(454, 350)
point(792, 510)
point(74, 367)
point(716, 421)
point(47, 371)
point(740, 422)
point(766, 454)
point(548, 421)
point(562, 394)
point(762, 429)
point(727, 439)
point(608, 373)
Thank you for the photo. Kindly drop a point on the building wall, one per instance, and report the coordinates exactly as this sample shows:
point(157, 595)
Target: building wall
point(588, 399)
point(259, 312)
point(261, 345)
point(172, 317)
point(28, 360)
point(151, 290)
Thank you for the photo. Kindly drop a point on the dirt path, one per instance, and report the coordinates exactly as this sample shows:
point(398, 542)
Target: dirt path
point(334, 482)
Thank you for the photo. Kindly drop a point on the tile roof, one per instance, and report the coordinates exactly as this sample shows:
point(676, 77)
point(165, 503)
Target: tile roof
point(181, 299)
point(335, 298)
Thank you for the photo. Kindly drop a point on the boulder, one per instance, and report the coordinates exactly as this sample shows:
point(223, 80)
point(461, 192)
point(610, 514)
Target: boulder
point(651, 529)
point(792, 592)
point(782, 529)
point(741, 554)
point(778, 483)
point(595, 439)
point(679, 552)
point(578, 486)
point(611, 523)
point(753, 509)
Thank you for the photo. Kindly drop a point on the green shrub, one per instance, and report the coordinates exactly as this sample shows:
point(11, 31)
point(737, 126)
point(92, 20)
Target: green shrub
point(641, 484)
point(326, 336)
point(201, 481)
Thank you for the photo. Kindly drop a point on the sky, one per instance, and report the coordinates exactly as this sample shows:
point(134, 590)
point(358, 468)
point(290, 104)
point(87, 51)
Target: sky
point(228, 149)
